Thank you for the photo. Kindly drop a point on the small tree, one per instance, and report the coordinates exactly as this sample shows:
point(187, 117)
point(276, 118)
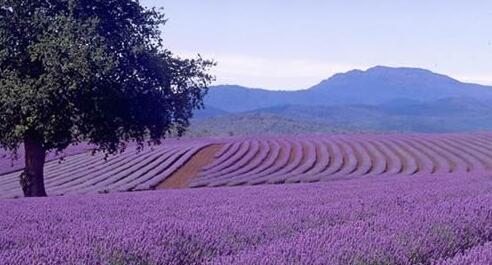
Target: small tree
point(91, 71)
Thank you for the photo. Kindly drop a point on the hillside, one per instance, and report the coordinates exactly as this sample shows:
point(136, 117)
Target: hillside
point(262, 122)
point(383, 99)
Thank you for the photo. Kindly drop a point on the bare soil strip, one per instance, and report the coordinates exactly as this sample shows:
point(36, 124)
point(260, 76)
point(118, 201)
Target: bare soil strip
point(191, 169)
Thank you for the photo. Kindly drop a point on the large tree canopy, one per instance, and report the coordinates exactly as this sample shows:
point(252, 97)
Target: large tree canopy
point(89, 70)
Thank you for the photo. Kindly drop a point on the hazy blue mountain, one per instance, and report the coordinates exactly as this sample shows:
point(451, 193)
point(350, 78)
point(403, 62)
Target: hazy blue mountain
point(457, 114)
point(375, 86)
point(234, 98)
point(378, 99)
point(380, 84)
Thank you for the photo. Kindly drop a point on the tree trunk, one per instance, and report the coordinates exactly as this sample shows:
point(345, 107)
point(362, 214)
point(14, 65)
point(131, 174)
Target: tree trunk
point(32, 179)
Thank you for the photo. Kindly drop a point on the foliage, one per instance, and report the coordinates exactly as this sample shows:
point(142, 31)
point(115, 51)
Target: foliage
point(91, 70)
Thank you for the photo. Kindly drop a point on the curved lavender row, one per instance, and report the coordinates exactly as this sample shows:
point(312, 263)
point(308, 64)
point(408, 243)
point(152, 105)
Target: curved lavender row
point(372, 155)
point(336, 162)
point(98, 182)
point(441, 165)
point(394, 164)
point(479, 140)
point(147, 171)
point(161, 171)
point(479, 151)
point(378, 162)
point(82, 161)
point(221, 152)
point(458, 163)
point(364, 164)
point(293, 162)
point(415, 162)
point(483, 148)
point(268, 152)
point(232, 159)
point(172, 166)
point(486, 137)
point(219, 155)
point(322, 162)
point(237, 163)
point(97, 168)
point(307, 162)
point(267, 159)
point(218, 163)
point(349, 162)
point(64, 174)
point(88, 174)
point(50, 166)
point(121, 172)
point(249, 164)
point(73, 166)
point(280, 163)
point(69, 163)
point(357, 160)
point(112, 183)
point(96, 175)
point(96, 161)
point(430, 219)
point(409, 164)
point(461, 151)
point(269, 163)
point(465, 154)
point(78, 187)
point(8, 165)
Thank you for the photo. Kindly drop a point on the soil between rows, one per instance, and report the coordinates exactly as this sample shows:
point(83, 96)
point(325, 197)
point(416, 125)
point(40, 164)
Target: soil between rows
point(191, 168)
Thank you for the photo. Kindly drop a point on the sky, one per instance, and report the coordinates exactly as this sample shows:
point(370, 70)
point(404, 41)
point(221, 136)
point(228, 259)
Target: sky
point(288, 45)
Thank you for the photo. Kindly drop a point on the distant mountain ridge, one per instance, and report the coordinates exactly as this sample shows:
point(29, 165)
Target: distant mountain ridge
point(383, 99)
point(374, 86)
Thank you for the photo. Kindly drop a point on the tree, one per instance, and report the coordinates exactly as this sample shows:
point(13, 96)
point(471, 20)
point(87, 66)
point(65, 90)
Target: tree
point(91, 71)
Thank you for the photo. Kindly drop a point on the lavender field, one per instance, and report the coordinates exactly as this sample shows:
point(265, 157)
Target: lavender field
point(254, 160)
point(434, 219)
point(369, 199)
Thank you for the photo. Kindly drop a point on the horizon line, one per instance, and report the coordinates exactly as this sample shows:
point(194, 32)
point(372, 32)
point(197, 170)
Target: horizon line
point(464, 80)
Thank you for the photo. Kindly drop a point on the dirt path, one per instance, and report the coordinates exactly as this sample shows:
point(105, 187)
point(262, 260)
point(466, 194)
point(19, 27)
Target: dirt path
point(190, 170)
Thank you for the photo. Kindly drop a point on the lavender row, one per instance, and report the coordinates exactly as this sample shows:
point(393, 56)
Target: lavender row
point(85, 173)
point(293, 159)
point(267, 160)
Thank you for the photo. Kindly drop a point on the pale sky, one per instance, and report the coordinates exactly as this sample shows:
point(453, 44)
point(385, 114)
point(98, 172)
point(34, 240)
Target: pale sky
point(282, 44)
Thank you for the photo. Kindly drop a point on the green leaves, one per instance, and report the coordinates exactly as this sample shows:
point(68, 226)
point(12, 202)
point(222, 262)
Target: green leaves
point(91, 70)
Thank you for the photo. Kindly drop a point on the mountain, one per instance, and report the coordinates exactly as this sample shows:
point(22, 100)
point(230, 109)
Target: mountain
point(383, 99)
point(380, 84)
point(376, 85)
point(233, 98)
